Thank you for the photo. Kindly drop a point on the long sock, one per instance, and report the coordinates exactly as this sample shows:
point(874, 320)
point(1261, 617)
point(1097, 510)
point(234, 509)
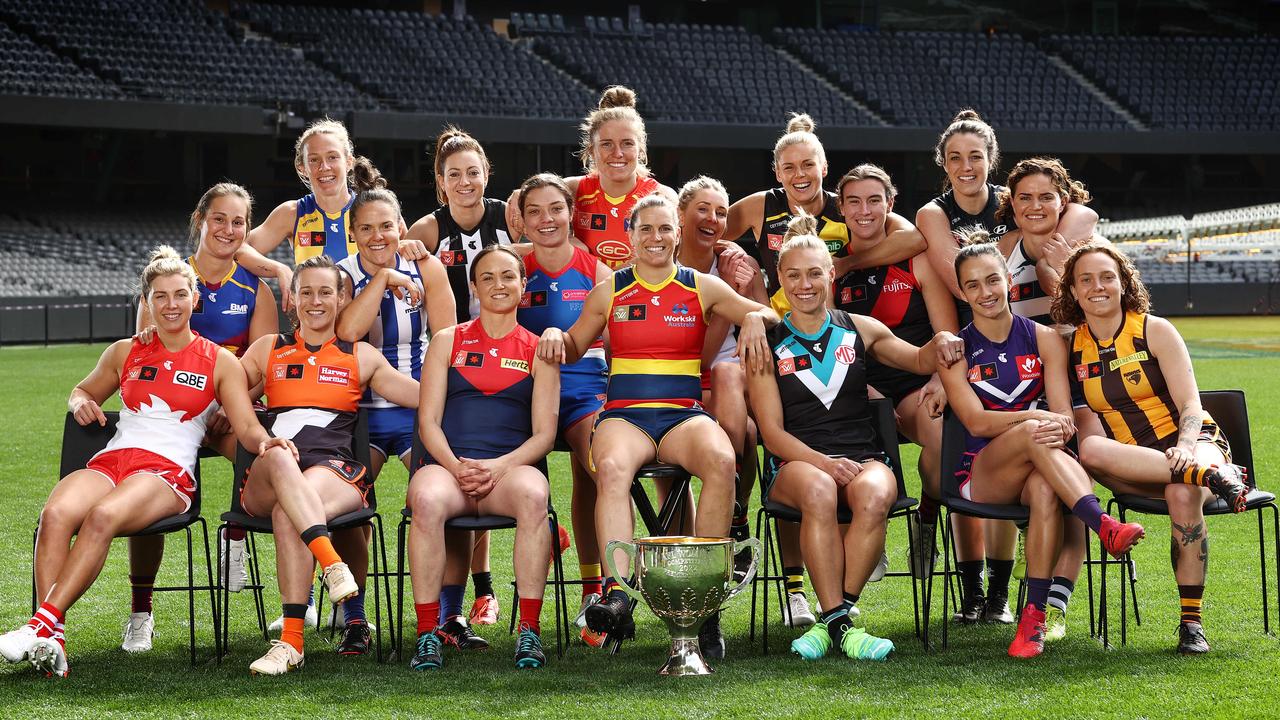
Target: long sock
point(795, 578)
point(1038, 592)
point(60, 634)
point(998, 574)
point(1194, 474)
point(317, 539)
point(483, 582)
point(311, 595)
point(235, 532)
point(1089, 511)
point(46, 620)
point(838, 621)
point(970, 577)
point(353, 609)
point(928, 509)
point(530, 614)
point(1060, 592)
point(428, 616)
point(294, 613)
point(142, 591)
point(1192, 597)
point(451, 601)
point(591, 578)
point(851, 599)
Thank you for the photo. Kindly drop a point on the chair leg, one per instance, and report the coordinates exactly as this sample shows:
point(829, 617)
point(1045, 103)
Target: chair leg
point(191, 598)
point(374, 538)
point(1088, 567)
point(911, 517)
point(35, 538)
point(259, 603)
point(755, 582)
point(946, 580)
point(213, 591)
point(401, 531)
point(223, 593)
point(1275, 535)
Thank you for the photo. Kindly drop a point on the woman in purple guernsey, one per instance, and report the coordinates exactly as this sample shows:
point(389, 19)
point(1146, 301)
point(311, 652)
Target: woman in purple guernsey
point(1015, 448)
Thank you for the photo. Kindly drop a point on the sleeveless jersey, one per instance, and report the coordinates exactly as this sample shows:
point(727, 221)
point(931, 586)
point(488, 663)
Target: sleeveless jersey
point(168, 399)
point(224, 307)
point(316, 232)
point(1026, 297)
point(730, 344)
point(488, 407)
point(459, 246)
point(960, 221)
point(556, 300)
point(313, 394)
point(400, 331)
point(777, 213)
point(601, 222)
point(656, 334)
point(1006, 376)
point(823, 385)
point(1121, 382)
point(892, 295)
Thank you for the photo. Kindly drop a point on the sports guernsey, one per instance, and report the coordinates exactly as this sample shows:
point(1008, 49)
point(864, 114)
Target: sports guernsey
point(729, 346)
point(962, 222)
point(656, 334)
point(224, 307)
point(488, 406)
point(1026, 297)
point(602, 221)
point(313, 395)
point(823, 387)
point(316, 232)
point(399, 331)
point(1006, 376)
point(892, 295)
point(168, 400)
point(459, 246)
point(773, 227)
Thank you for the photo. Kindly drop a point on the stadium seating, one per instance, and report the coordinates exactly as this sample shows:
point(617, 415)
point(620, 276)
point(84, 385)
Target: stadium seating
point(31, 69)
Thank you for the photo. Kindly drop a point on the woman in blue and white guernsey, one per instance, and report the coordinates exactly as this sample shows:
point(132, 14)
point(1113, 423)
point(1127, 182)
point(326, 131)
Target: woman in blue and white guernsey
point(811, 407)
point(395, 305)
point(1013, 398)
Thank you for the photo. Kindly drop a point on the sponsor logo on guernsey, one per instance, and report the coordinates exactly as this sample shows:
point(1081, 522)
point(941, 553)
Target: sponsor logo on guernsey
point(168, 364)
point(846, 354)
point(1029, 367)
point(514, 364)
point(977, 352)
point(333, 227)
point(679, 316)
point(286, 353)
point(311, 360)
point(613, 211)
point(1001, 357)
point(470, 341)
point(1136, 357)
point(615, 250)
point(628, 293)
point(493, 352)
point(833, 246)
point(896, 286)
point(213, 297)
point(554, 287)
point(148, 373)
point(237, 309)
point(190, 379)
point(573, 295)
point(334, 375)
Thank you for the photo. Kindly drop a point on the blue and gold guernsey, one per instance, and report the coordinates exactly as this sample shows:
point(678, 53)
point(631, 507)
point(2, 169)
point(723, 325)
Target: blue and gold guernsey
point(400, 330)
point(224, 308)
point(316, 232)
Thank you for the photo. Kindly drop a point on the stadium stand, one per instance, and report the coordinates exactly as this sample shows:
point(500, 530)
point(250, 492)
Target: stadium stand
point(919, 79)
point(1184, 83)
point(1237, 245)
point(34, 70)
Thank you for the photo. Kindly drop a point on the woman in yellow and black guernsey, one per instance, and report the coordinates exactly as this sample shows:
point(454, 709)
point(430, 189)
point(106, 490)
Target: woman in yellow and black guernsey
point(1147, 434)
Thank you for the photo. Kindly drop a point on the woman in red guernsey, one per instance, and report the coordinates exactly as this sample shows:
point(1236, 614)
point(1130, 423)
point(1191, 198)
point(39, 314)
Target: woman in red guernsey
point(657, 313)
point(489, 412)
point(313, 383)
point(171, 387)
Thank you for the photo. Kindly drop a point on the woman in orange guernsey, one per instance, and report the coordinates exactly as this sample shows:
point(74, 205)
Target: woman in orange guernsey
point(1147, 434)
point(313, 383)
point(657, 313)
point(170, 386)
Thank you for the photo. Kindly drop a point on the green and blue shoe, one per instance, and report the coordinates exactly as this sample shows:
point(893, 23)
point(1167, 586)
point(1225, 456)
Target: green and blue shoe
point(529, 653)
point(860, 645)
point(813, 644)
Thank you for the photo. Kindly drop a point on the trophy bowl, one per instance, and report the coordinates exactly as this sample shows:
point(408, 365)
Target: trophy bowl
point(683, 580)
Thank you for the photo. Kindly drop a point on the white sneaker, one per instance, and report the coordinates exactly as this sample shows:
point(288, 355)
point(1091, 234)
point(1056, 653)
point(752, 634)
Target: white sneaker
point(235, 569)
point(138, 631)
point(280, 659)
point(49, 657)
point(923, 550)
point(881, 568)
point(339, 582)
point(798, 610)
point(587, 601)
point(15, 645)
point(310, 620)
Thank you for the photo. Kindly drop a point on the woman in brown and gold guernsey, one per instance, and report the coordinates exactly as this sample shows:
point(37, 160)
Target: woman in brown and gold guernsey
point(313, 383)
point(1146, 434)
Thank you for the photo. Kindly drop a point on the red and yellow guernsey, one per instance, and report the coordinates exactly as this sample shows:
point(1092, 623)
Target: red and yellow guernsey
point(656, 334)
point(601, 221)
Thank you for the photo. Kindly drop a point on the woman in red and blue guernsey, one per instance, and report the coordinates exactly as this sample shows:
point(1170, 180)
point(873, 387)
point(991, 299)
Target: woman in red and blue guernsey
point(488, 414)
point(1015, 449)
point(657, 313)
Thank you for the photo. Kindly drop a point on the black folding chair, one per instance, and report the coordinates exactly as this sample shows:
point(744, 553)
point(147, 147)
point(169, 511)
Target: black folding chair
point(772, 511)
point(361, 517)
point(1228, 409)
point(79, 444)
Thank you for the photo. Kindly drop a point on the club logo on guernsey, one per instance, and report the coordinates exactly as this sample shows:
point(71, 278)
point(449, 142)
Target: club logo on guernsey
point(985, 371)
point(614, 250)
point(1133, 376)
point(190, 379)
point(823, 374)
point(626, 313)
point(514, 364)
point(334, 375)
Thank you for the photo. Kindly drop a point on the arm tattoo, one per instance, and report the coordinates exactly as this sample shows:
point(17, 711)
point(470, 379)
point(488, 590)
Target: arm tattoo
point(1189, 428)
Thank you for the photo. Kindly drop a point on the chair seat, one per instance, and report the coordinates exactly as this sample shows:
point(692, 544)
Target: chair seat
point(472, 522)
point(252, 523)
point(170, 524)
point(1016, 513)
point(844, 515)
point(662, 471)
point(352, 519)
point(1217, 506)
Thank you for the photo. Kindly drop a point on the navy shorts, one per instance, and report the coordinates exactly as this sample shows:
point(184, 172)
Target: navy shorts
point(391, 430)
point(654, 422)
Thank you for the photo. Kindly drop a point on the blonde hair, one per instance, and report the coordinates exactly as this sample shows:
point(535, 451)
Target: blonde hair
point(691, 188)
point(163, 261)
point(222, 189)
point(616, 103)
point(327, 126)
point(652, 200)
point(800, 129)
point(802, 234)
point(968, 121)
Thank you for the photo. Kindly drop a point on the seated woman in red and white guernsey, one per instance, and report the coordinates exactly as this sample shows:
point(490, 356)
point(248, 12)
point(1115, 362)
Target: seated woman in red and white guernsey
point(171, 387)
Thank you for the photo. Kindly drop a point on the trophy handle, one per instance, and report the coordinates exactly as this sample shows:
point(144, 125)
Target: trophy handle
point(630, 551)
point(755, 546)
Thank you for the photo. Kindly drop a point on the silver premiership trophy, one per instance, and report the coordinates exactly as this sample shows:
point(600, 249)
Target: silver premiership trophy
point(684, 580)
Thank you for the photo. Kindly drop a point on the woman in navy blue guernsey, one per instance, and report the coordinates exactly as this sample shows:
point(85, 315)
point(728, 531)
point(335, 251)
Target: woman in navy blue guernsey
point(1013, 398)
point(488, 414)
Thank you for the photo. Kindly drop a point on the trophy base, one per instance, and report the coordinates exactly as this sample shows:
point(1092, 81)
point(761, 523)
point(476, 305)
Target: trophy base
point(686, 659)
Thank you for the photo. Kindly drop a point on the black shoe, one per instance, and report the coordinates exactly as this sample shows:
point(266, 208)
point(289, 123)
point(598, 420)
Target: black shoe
point(612, 616)
point(972, 608)
point(1228, 482)
point(355, 639)
point(741, 565)
point(459, 634)
point(996, 610)
point(429, 655)
point(710, 641)
point(1191, 639)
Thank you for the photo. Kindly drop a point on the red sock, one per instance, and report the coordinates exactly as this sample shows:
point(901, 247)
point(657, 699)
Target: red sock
point(428, 616)
point(530, 612)
point(142, 590)
point(235, 532)
point(46, 620)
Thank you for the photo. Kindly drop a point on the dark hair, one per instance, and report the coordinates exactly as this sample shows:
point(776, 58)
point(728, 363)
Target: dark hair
point(222, 189)
point(365, 197)
point(868, 171)
point(976, 242)
point(451, 142)
point(968, 121)
point(1071, 191)
point(1133, 293)
point(488, 250)
point(542, 180)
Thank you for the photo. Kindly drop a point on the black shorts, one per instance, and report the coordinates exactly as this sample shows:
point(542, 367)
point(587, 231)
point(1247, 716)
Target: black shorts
point(893, 383)
point(353, 473)
point(772, 465)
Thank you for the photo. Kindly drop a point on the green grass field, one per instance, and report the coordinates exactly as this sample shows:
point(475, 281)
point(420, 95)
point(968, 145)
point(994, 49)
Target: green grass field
point(973, 678)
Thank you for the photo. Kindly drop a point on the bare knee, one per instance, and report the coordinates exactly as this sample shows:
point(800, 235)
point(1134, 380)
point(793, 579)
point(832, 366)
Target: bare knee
point(101, 521)
point(818, 496)
point(1091, 452)
point(55, 518)
point(612, 475)
point(1185, 501)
